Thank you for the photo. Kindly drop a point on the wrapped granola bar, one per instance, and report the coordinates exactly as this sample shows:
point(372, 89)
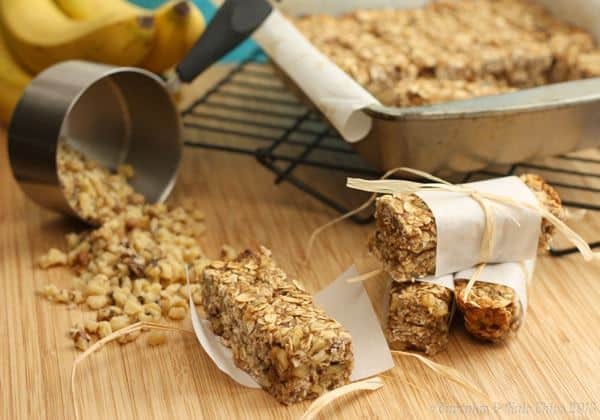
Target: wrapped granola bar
point(410, 235)
point(293, 349)
point(419, 314)
point(496, 305)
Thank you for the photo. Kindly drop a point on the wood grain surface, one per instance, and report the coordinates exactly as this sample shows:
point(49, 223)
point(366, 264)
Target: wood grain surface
point(550, 370)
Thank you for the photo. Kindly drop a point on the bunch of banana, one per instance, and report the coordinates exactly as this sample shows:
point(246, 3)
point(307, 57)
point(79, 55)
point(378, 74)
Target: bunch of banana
point(34, 34)
point(178, 26)
point(13, 80)
point(40, 34)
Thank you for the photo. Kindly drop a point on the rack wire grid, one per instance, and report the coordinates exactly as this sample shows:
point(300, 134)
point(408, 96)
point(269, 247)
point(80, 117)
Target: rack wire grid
point(250, 111)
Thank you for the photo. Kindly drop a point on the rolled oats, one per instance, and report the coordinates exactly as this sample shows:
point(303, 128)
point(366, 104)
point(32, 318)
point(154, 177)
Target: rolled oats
point(291, 347)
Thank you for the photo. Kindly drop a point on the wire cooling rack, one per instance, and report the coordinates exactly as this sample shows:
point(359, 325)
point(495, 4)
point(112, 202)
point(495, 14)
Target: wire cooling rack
point(250, 111)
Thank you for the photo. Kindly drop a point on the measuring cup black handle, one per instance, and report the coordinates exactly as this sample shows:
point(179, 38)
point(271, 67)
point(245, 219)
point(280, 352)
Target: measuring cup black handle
point(235, 21)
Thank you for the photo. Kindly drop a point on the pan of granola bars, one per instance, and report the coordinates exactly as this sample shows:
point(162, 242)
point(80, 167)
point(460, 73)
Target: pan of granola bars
point(456, 85)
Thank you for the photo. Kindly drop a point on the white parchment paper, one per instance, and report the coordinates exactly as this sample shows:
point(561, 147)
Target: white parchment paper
point(336, 94)
point(515, 275)
point(348, 303)
point(460, 223)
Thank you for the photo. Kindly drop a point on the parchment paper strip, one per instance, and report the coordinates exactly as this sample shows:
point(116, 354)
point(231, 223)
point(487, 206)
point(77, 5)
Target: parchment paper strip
point(460, 223)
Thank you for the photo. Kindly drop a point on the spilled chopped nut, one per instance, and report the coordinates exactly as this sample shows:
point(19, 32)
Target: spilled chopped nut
point(132, 267)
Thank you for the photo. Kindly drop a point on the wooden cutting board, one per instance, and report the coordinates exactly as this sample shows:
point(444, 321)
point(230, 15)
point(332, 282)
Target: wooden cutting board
point(551, 368)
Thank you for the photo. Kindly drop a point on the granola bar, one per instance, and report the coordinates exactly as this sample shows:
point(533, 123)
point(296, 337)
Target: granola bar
point(492, 312)
point(495, 307)
point(419, 316)
point(405, 238)
point(288, 345)
point(500, 44)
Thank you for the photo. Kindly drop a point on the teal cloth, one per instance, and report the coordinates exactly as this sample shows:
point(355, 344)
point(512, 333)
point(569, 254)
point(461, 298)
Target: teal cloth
point(208, 10)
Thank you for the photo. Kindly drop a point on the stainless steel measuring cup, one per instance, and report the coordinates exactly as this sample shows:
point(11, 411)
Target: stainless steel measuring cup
point(111, 114)
point(115, 115)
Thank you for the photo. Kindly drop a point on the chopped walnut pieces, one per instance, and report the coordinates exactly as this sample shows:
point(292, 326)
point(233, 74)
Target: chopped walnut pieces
point(104, 329)
point(405, 238)
point(92, 191)
point(97, 301)
point(132, 267)
point(156, 338)
point(52, 258)
point(419, 316)
point(452, 50)
point(291, 347)
point(80, 337)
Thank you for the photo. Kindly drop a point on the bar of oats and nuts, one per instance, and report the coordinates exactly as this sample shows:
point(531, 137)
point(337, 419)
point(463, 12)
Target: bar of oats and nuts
point(492, 311)
point(419, 315)
point(491, 46)
point(405, 237)
point(293, 349)
point(495, 307)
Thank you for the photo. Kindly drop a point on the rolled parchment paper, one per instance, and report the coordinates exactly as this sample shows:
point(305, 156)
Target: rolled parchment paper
point(339, 97)
point(419, 314)
point(496, 306)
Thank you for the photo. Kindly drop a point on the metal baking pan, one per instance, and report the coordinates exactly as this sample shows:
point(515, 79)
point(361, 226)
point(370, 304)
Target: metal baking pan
point(473, 134)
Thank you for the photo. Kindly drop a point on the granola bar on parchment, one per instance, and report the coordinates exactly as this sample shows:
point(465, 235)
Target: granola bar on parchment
point(495, 307)
point(293, 349)
point(492, 311)
point(405, 238)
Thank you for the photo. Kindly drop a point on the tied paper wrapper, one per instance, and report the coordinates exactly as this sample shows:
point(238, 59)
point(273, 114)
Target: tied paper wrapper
point(348, 303)
point(515, 275)
point(460, 223)
point(336, 94)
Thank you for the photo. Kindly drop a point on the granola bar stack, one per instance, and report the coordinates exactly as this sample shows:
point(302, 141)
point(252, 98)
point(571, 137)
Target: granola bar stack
point(405, 241)
point(293, 349)
point(451, 50)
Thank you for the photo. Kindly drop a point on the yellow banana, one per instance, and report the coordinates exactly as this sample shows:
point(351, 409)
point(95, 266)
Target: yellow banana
point(88, 9)
point(13, 80)
point(178, 25)
point(40, 35)
point(195, 27)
